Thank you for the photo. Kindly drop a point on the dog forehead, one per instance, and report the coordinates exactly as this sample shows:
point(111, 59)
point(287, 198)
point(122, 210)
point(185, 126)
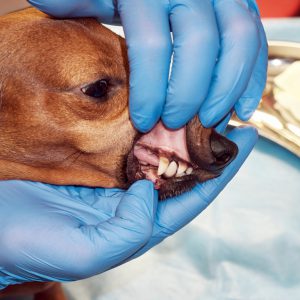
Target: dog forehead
point(79, 34)
point(70, 52)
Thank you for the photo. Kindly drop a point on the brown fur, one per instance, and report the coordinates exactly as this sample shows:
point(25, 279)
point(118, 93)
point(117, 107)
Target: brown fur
point(50, 131)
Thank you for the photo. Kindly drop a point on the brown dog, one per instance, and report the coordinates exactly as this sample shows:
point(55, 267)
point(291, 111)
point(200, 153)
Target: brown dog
point(64, 115)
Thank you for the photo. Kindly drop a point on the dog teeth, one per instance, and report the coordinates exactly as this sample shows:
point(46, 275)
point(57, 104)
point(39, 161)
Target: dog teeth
point(181, 169)
point(181, 175)
point(189, 171)
point(171, 170)
point(163, 165)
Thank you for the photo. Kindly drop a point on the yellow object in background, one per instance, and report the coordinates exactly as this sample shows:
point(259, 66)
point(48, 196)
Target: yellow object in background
point(287, 89)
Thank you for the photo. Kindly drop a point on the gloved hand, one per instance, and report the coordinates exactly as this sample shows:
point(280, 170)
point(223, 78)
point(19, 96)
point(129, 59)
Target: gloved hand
point(51, 233)
point(220, 55)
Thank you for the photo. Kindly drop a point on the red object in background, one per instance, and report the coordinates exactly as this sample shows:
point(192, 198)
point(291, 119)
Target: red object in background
point(279, 8)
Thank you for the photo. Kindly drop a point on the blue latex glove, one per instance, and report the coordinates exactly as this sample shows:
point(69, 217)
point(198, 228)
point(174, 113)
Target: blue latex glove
point(51, 233)
point(204, 31)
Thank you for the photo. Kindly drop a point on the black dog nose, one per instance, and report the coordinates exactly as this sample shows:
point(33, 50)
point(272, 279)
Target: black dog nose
point(223, 150)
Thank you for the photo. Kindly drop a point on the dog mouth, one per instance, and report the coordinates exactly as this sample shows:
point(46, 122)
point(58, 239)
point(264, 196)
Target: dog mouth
point(170, 174)
point(176, 160)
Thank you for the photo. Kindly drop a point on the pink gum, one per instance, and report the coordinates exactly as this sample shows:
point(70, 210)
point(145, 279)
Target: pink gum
point(160, 137)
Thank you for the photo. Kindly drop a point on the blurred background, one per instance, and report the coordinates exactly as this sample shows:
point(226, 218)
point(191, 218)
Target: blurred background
point(279, 8)
point(246, 245)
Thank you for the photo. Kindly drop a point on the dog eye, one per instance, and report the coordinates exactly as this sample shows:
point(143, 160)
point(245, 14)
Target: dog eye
point(98, 89)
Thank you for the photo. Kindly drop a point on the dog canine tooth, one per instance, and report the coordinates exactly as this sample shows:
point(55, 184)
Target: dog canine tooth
point(181, 168)
point(171, 170)
point(189, 171)
point(163, 165)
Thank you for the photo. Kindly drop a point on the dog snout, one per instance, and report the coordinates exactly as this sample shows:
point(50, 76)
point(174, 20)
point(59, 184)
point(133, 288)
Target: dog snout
point(223, 150)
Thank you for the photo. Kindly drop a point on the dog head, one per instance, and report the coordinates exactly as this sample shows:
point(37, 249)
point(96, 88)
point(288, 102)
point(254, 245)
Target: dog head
point(64, 115)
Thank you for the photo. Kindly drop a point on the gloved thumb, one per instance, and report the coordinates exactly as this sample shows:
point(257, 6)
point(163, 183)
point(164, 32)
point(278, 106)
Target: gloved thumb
point(139, 203)
point(124, 234)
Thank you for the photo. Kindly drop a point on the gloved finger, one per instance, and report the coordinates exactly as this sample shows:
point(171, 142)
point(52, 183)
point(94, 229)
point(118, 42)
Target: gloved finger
point(104, 10)
point(175, 213)
point(196, 46)
point(112, 241)
point(104, 200)
point(223, 124)
point(249, 101)
point(240, 46)
point(253, 6)
point(147, 32)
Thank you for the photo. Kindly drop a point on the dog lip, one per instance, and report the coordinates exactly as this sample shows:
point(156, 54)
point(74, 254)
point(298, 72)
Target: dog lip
point(162, 149)
point(177, 186)
point(149, 155)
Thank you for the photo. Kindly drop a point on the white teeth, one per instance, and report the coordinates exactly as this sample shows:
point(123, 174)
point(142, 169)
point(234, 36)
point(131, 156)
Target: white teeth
point(189, 171)
point(181, 168)
point(181, 175)
point(171, 170)
point(163, 165)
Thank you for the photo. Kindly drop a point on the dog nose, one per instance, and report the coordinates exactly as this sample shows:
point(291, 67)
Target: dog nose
point(223, 150)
